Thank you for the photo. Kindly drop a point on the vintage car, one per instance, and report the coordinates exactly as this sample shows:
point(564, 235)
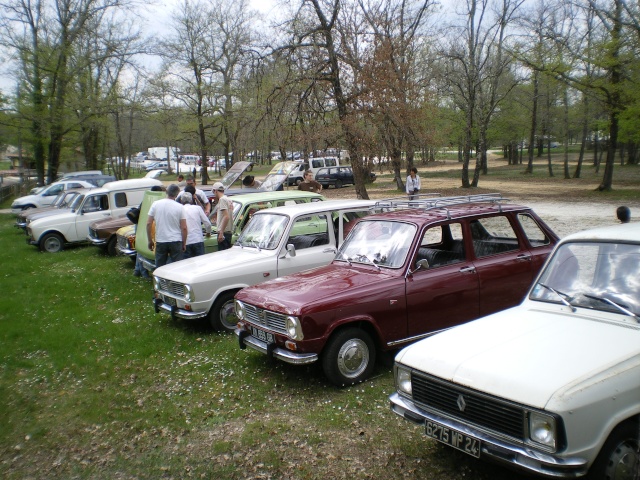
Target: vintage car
point(102, 233)
point(551, 386)
point(63, 200)
point(126, 242)
point(51, 233)
point(46, 196)
point(399, 277)
point(244, 206)
point(337, 177)
point(275, 242)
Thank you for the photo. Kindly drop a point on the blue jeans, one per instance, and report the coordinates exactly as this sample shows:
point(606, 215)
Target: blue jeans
point(166, 251)
point(194, 250)
point(226, 243)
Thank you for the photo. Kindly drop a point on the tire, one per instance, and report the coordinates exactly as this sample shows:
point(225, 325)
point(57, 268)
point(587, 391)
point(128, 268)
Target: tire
point(51, 243)
point(111, 246)
point(619, 458)
point(338, 184)
point(298, 181)
point(222, 316)
point(349, 357)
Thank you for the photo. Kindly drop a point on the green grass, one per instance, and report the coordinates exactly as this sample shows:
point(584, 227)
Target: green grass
point(94, 384)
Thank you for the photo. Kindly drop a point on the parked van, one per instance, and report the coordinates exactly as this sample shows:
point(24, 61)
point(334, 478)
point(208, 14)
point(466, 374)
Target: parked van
point(50, 234)
point(317, 163)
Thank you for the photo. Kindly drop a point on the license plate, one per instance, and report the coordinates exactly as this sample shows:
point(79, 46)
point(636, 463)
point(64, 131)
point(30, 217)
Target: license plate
point(169, 300)
point(453, 438)
point(262, 335)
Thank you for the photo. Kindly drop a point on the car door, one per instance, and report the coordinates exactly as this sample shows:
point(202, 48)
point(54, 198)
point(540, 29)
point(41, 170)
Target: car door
point(95, 207)
point(314, 241)
point(447, 292)
point(503, 263)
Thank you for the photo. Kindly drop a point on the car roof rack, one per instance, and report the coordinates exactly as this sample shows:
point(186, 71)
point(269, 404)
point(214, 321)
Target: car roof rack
point(431, 203)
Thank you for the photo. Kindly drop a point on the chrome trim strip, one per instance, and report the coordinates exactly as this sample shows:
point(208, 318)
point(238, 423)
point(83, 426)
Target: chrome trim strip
point(96, 241)
point(414, 339)
point(178, 312)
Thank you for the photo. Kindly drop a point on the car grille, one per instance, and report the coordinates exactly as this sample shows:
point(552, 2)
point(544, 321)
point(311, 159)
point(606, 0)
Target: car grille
point(173, 288)
point(468, 405)
point(264, 318)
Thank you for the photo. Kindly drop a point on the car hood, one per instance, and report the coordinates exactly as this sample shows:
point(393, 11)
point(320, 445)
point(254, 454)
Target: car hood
point(24, 200)
point(42, 212)
point(529, 354)
point(111, 223)
point(216, 264)
point(299, 293)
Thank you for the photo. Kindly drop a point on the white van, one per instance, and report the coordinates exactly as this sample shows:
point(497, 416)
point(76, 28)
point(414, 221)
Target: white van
point(317, 163)
point(114, 199)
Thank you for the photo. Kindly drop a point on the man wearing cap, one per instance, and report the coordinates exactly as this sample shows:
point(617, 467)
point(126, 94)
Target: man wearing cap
point(195, 218)
point(224, 219)
point(171, 227)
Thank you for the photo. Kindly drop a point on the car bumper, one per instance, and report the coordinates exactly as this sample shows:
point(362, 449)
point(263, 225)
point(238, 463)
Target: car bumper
point(246, 340)
point(16, 210)
point(96, 241)
point(22, 225)
point(493, 448)
point(148, 264)
point(159, 304)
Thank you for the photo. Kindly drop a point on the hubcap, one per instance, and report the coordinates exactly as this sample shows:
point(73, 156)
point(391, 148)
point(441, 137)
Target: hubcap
point(228, 316)
point(52, 244)
point(624, 463)
point(353, 358)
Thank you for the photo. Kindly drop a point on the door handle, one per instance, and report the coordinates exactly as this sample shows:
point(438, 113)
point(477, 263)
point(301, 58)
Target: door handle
point(524, 257)
point(471, 269)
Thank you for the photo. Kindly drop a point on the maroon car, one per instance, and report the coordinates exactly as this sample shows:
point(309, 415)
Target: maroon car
point(400, 276)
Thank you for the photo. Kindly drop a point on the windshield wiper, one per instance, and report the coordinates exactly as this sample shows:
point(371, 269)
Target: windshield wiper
point(344, 256)
point(560, 295)
point(613, 304)
point(361, 255)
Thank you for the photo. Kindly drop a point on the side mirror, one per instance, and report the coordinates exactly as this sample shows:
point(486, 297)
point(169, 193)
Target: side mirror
point(420, 265)
point(291, 250)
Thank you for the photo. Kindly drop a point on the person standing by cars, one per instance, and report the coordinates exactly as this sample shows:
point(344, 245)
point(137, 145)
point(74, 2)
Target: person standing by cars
point(309, 184)
point(191, 182)
point(195, 218)
point(224, 219)
point(413, 184)
point(250, 182)
point(170, 230)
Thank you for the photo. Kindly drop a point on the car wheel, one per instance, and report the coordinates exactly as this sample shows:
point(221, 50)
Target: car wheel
point(619, 458)
point(222, 315)
point(111, 246)
point(298, 181)
point(338, 183)
point(349, 357)
point(51, 242)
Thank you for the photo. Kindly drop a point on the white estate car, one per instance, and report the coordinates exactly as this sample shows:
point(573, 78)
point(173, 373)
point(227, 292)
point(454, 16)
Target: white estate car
point(47, 195)
point(276, 242)
point(551, 386)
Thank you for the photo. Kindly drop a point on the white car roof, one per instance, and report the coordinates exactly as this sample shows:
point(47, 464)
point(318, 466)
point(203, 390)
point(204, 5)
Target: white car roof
point(627, 233)
point(313, 207)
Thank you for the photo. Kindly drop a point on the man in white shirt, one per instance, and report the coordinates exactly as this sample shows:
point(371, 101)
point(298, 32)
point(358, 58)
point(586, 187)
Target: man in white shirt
point(199, 193)
point(171, 228)
point(195, 219)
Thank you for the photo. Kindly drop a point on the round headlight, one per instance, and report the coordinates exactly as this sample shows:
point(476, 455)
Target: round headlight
point(156, 283)
point(188, 293)
point(239, 310)
point(542, 429)
point(292, 326)
point(403, 381)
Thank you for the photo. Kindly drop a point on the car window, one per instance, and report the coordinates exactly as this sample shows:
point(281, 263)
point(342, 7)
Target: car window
point(533, 232)
point(316, 163)
point(309, 231)
point(330, 162)
point(492, 235)
point(95, 203)
point(441, 245)
point(53, 190)
point(121, 199)
point(263, 231)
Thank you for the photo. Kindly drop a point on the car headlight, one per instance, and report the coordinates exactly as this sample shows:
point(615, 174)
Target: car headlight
point(156, 283)
point(239, 310)
point(294, 330)
point(189, 296)
point(403, 380)
point(542, 429)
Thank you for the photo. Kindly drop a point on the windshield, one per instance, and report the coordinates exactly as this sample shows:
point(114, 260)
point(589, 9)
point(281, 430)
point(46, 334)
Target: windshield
point(277, 176)
point(263, 231)
point(382, 243)
point(213, 216)
point(600, 276)
point(77, 202)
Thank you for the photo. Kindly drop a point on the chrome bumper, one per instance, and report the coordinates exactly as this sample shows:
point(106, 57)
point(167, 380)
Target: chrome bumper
point(96, 241)
point(148, 264)
point(176, 312)
point(129, 252)
point(493, 448)
point(246, 340)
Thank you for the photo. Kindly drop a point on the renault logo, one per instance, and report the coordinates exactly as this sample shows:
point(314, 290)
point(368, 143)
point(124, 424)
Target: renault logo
point(461, 403)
